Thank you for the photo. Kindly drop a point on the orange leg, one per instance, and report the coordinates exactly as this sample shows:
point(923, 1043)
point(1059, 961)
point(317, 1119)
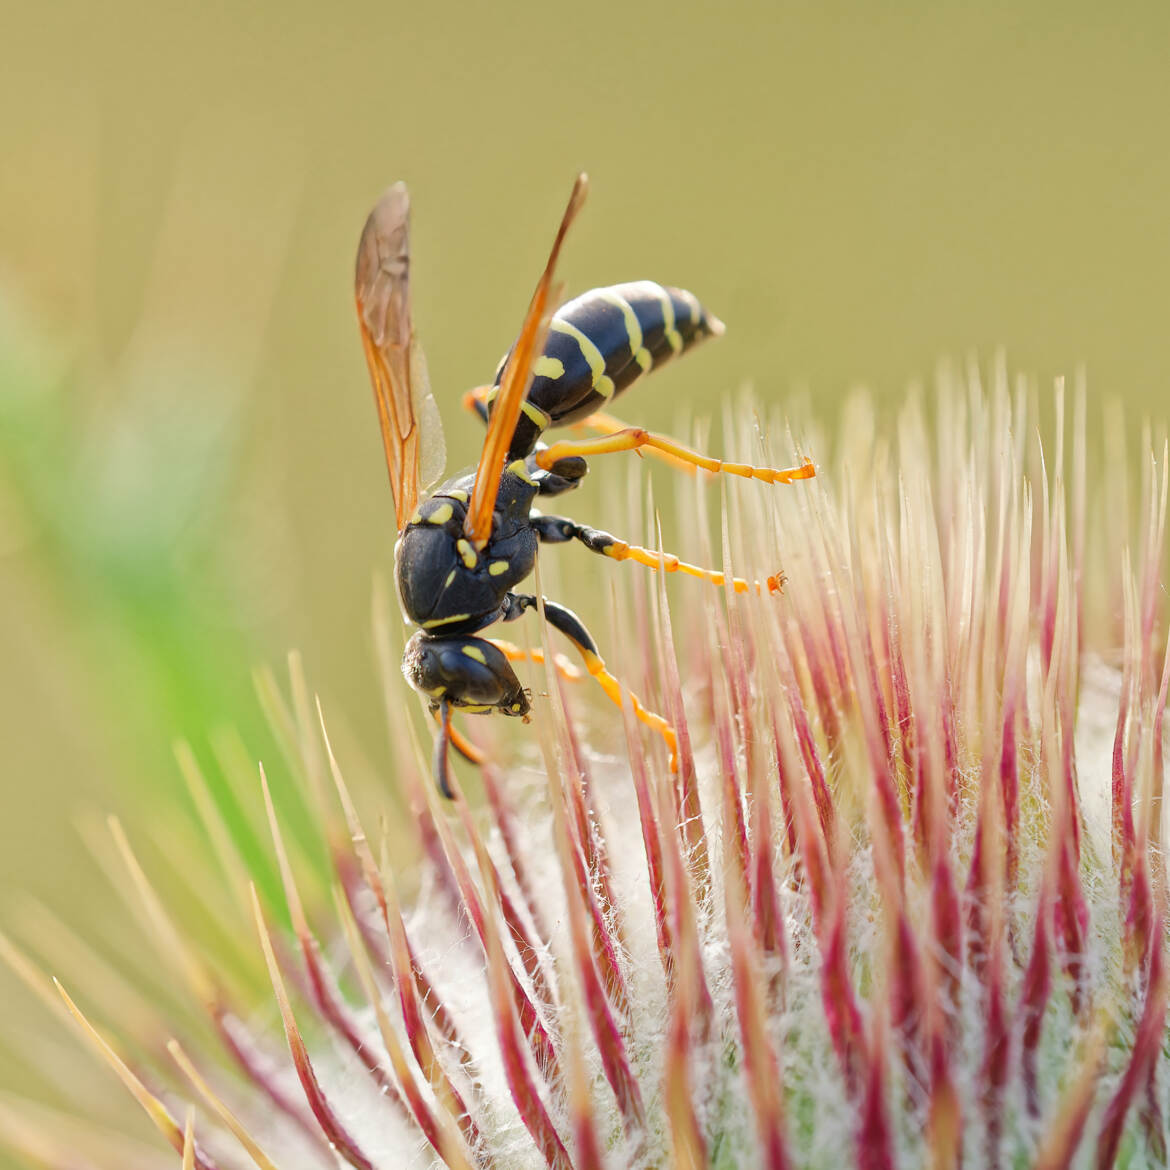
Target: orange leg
point(459, 742)
point(669, 563)
point(476, 400)
point(514, 653)
point(635, 438)
point(559, 529)
point(606, 424)
point(668, 450)
point(569, 624)
point(614, 691)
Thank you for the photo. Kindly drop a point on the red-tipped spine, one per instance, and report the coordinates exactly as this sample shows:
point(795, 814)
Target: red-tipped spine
point(1147, 1043)
point(335, 1133)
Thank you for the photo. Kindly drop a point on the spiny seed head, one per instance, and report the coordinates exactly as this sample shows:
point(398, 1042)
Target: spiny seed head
point(902, 903)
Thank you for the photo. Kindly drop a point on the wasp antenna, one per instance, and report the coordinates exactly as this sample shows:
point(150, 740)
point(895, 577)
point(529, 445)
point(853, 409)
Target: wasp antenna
point(442, 762)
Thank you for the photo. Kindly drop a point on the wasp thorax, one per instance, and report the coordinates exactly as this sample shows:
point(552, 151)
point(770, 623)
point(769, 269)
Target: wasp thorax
point(469, 673)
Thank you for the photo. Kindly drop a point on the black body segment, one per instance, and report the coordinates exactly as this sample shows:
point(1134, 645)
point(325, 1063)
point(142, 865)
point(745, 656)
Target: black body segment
point(599, 344)
point(449, 587)
point(468, 673)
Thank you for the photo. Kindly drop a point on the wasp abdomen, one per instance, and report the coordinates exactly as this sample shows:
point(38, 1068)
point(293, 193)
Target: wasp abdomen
point(600, 343)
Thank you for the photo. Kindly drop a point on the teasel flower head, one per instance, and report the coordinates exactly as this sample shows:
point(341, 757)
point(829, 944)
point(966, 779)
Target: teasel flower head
point(902, 903)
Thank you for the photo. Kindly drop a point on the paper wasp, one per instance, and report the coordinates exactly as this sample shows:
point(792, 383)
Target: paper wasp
point(464, 548)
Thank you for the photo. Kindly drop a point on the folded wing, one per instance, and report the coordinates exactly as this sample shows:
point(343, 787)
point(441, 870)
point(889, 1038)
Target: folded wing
point(514, 383)
point(412, 434)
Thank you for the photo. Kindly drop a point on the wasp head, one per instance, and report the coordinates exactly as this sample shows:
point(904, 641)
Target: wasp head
point(470, 674)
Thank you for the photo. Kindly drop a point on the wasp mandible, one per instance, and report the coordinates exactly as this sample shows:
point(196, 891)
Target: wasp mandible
point(464, 548)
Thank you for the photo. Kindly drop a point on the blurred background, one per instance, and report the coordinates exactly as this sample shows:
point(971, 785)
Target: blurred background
point(191, 480)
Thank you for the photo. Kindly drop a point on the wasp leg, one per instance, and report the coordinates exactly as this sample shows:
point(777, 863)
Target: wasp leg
point(515, 653)
point(477, 401)
point(635, 438)
point(568, 623)
point(563, 476)
point(558, 530)
point(550, 481)
point(606, 424)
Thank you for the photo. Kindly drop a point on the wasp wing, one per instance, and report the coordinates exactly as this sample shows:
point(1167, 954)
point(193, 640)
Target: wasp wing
point(412, 433)
point(514, 383)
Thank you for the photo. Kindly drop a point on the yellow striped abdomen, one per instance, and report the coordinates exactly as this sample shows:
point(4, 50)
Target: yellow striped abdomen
point(599, 344)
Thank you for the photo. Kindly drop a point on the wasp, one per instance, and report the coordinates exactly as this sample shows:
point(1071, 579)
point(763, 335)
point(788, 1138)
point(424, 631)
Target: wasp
point(464, 548)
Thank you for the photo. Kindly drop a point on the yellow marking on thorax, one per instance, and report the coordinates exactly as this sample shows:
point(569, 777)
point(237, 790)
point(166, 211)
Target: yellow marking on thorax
point(441, 515)
point(602, 383)
point(476, 708)
point(520, 469)
point(476, 653)
point(633, 326)
point(459, 494)
point(450, 578)
point(497, 568)
point(445, 621)
point(466, 553)
point(669, 326)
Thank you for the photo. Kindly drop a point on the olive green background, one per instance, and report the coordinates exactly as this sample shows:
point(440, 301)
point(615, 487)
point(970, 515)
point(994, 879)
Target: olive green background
point(191, 480)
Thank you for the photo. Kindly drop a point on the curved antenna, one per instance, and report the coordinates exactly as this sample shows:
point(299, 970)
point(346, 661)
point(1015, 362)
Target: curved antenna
point(514, 383)
point(442, 761)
